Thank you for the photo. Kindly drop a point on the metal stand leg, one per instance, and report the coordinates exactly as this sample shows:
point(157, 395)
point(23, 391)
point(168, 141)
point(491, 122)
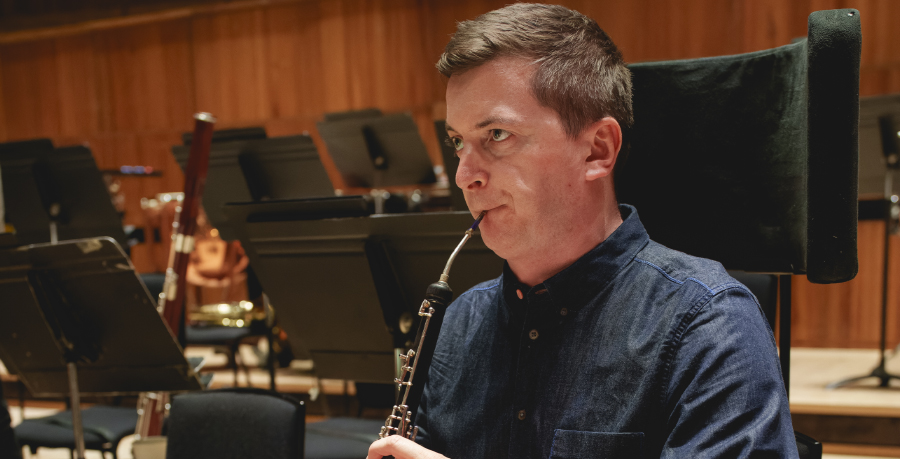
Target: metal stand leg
point(270, 360)
point(54, 237)
point(22, 389)
point(76, 411)
point(270, 356)
point(784, 330)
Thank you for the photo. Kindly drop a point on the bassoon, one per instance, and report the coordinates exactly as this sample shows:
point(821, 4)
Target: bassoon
point(152, 406)
point(416, 362)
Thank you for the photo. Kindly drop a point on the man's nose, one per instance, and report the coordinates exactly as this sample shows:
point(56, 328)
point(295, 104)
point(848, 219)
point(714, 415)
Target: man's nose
point(471, 174)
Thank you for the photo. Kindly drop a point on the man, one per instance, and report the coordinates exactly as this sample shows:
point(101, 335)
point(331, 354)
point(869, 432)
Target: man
point(595, 341)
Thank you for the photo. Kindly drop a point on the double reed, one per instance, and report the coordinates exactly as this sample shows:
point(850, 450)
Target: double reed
point(417, 361)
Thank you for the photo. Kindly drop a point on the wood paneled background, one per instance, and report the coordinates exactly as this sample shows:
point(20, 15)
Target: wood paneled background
point(127, 86)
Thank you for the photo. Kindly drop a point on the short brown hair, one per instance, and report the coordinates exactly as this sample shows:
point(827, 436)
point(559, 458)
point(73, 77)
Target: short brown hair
point(581, 74)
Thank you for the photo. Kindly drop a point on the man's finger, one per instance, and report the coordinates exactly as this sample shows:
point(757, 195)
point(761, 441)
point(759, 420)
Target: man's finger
point(400, 448)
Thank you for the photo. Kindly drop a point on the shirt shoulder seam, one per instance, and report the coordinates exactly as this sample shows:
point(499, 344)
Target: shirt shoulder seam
point(674, 341)
point(671, 345)
point(668, 276)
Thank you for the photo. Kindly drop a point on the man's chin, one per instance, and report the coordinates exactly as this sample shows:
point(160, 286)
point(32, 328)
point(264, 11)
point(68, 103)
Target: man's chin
point(498, 245)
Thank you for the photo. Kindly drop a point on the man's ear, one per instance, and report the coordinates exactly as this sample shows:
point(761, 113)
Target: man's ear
point(605, 138)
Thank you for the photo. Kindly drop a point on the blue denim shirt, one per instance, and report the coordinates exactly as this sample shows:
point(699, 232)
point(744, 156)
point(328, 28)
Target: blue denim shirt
point(635, 350)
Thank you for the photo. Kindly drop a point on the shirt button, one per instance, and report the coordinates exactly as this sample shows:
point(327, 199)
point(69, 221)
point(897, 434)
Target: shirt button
point(533, 334)
point(519, 294)
point(563, 312)
point(521, 415)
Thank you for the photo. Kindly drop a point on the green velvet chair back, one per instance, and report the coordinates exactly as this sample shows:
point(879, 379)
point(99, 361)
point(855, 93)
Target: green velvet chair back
point(751, 159)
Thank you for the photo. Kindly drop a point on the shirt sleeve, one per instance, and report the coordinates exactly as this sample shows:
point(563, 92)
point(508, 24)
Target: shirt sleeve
point(421, 421)
point(725, 396)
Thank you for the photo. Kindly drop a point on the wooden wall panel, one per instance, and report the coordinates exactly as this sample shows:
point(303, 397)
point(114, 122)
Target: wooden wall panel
point(231, 81)
point(155, 149)
point(30, 90)
point(333, 44)
point(174, 39)
point(849, 314)
point(3, 134)
point(128, 88)
point(294, 58)
point(77, 86)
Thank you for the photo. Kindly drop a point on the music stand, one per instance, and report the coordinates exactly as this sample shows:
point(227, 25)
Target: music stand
point(85, 324)
point(871, 153)
point(56, 194)
point(350, 286)
point(890, 146)
point(375, 151)
point(24, 208)
point(259, 170)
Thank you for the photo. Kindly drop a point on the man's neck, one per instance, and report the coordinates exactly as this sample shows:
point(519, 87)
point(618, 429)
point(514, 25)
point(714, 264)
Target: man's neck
point(540, 266)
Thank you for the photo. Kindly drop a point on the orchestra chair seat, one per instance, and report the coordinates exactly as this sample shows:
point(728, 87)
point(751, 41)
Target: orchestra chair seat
point(235, 423)
point(227, 339)
point(104, 428)
point(751, 159)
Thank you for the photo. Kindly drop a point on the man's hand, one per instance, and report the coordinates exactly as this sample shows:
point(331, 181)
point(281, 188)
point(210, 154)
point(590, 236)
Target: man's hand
point(400, 448)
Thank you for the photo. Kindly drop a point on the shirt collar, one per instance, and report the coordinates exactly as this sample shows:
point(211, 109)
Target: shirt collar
point(579, 283)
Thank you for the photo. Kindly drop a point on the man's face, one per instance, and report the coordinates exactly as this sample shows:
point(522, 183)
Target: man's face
point(515, 160)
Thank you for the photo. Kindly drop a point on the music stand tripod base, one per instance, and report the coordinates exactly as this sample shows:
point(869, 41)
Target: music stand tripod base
point(879, 372)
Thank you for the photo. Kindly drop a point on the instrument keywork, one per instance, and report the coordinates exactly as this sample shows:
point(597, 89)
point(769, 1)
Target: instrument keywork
point(416, 361)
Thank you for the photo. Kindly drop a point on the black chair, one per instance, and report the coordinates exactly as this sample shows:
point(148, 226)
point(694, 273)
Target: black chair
point(246, 422)
point(341, 438)
point(8, 446)
point(751, 159)
point(224, 339)
point(227, 339)
point(235, 423)
point(104, 428)
point(808, 447)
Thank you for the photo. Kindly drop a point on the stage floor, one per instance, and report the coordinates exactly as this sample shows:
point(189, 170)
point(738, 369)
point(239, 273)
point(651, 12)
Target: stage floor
point(811, 371)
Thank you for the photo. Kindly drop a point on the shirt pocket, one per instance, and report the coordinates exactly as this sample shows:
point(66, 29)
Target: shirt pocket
point(575, 444)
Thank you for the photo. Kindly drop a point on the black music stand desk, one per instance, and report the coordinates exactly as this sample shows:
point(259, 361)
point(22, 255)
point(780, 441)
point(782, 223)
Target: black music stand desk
point(259, 170)
point(83, 323)
point(56, 193)
point(347, 289)
point(22, 197)
point(377, 151)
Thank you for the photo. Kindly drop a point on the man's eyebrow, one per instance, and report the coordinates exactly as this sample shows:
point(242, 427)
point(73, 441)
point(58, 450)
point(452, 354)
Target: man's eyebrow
point(487, 122)
point(495, 120)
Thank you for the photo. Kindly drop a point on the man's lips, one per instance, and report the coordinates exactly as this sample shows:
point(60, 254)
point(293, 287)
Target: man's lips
point(486, 209)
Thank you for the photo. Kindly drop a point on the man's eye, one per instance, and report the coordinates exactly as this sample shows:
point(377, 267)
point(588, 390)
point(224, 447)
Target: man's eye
point(498, 135)
point(456, 143)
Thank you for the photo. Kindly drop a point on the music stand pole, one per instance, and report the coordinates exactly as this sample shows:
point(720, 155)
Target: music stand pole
point(270, 357)
point(77, 426)
point(54, 235)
